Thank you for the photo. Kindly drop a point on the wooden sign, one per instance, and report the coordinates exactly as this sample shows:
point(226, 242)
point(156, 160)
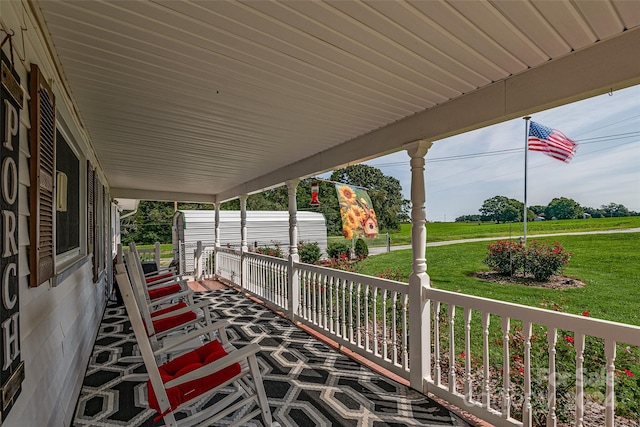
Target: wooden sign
point(12, 374)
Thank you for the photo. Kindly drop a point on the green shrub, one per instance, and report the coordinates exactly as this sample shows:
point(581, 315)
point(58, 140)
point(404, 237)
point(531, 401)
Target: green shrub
point(543, 261)
point(274, 251)
point(310, 253)
point(361, 249)
point(538, 259)
point(338, 250)
point(505, 257)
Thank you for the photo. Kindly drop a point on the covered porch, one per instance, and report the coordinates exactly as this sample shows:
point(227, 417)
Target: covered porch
point(308, 382)
point(213, 101)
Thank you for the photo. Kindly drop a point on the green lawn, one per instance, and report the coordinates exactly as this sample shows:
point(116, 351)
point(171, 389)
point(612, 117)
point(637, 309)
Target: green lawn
point(442, 231)
point(607, 263)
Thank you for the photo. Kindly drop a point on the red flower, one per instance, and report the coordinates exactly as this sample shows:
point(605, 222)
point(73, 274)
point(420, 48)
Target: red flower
point(629, 373)
point(343, 256)
point(586, 313)
point(521, 369)
point(463, 355)
point(568, 338)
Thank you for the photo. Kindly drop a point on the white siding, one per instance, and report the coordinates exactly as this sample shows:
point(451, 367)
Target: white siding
point(57, 324)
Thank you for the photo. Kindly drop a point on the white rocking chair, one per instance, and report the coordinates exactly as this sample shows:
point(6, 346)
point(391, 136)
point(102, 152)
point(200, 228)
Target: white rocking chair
point(198, 375)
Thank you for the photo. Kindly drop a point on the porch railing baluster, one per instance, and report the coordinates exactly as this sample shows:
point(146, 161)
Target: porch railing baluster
point(451, 314)
point(486, 381)
point(579, 346)
point(552, 339)
point(436, 343)
point(506, 368)
point(527, 416)
point(467, 358)
point(610, 354)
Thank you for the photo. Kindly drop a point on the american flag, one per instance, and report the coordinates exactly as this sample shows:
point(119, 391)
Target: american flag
point(551, 142)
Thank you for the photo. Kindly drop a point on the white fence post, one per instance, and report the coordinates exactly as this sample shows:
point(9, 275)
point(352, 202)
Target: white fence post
point(293, 286)
point(216, 246)
point(419, 305)
point(243, 237)
point(157, 255)
point(198, 261)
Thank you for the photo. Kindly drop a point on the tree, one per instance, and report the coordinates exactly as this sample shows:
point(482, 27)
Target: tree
point(563, 208)
point(504, 209)
point(385, 192)
point(614, 209)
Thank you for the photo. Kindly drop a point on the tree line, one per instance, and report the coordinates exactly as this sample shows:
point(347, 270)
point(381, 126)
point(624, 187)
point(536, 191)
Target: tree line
point(504, 209)
point(152, 221)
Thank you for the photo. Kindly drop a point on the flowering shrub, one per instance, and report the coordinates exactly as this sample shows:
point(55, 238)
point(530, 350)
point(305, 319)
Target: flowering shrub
point(393, 274)
point(337, 249)
point(538, 259)
point(505, 257)
point(543, 261)
point(274, 251)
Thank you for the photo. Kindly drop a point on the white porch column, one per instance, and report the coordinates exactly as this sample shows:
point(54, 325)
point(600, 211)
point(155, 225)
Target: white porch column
point(419, 307)
point(243, 237)
point(216, 258)
point(293, 287)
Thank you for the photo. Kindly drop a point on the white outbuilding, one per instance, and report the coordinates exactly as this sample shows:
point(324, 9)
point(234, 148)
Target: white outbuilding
point(264, 228)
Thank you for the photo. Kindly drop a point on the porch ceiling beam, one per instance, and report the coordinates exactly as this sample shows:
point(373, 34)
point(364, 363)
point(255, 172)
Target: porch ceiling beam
point(612, 64)
point(168, 196)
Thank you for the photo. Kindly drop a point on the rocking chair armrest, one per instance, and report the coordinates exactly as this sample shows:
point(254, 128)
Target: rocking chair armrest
point(234, 356)
point(218, 326)
point(169, 298)
point(201, 305)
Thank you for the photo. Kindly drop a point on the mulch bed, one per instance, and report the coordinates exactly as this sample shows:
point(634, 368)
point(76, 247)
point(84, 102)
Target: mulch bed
point(554, 282)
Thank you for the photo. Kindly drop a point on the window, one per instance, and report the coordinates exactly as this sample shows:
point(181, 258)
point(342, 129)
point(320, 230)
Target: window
point(68, 197)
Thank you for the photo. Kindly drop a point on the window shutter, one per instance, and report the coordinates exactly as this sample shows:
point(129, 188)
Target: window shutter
point(91, 223)
point(42, 143)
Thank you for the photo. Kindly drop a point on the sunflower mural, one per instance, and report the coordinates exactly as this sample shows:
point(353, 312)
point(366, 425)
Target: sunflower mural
point(356, 210)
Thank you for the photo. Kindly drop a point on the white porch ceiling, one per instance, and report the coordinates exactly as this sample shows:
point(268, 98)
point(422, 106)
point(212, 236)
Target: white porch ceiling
point(193, 100)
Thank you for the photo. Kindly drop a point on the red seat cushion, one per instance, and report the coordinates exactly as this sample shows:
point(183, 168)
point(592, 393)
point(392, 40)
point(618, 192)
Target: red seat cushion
point(186, 363)
point(161, 325)
point(164, 291)
point(169, 309)
point(156, 278)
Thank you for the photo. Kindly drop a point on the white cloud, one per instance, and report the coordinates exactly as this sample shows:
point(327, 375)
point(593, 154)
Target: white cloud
point(605, 169)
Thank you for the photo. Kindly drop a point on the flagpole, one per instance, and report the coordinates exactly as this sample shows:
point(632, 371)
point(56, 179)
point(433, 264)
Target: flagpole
point(526, 150)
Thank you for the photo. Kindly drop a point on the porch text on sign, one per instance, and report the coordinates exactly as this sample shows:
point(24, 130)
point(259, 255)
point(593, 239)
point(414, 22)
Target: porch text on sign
point(12, 367)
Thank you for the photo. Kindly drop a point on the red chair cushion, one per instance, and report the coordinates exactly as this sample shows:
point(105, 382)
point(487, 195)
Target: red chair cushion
point(156, 278)
point(161, 325)
point(189, 362)
point(164, 291)
point(169, 309)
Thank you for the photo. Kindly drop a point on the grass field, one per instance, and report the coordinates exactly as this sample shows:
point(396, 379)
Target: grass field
point(442, 231)
point(607, 263)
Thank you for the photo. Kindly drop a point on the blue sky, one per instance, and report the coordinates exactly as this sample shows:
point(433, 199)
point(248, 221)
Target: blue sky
point(605, 169)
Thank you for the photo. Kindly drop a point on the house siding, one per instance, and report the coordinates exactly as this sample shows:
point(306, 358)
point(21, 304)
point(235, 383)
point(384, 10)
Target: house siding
point(60, 318)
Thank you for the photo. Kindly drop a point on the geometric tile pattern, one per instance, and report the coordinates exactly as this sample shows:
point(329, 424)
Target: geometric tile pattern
point(307, 382)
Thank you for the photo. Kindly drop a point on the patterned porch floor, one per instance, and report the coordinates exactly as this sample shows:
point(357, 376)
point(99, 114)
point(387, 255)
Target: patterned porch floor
point(307, 382)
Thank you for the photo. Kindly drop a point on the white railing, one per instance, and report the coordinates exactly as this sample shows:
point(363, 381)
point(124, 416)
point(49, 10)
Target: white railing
point(266, 277)
point(367, 315)
point(508, 364)
point(208, 262)
point(228, 263)
point(526, 352)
